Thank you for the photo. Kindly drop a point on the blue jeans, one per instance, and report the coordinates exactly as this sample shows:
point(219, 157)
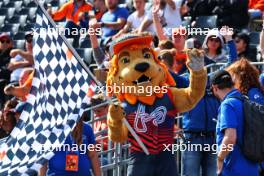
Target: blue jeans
point(200, 162)
point(162, 164)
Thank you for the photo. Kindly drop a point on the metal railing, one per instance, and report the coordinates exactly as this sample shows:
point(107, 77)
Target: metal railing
point(114, 160)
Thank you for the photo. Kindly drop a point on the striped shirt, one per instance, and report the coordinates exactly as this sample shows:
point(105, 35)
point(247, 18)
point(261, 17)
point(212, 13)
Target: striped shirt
point(153, 124)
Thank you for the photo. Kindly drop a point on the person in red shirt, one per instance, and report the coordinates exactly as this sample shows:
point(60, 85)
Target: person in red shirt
point(100, 124)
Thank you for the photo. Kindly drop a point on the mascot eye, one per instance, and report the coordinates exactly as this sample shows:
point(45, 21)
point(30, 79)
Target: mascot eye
point(125, 60)
point(147, 55)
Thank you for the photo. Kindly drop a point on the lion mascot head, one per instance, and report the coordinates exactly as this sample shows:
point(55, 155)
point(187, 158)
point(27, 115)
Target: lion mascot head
point(136, 73)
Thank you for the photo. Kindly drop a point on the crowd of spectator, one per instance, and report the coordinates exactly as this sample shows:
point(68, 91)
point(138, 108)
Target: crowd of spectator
point(164, 19)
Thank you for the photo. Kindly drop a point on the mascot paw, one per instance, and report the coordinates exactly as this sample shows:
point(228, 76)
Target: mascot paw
point(195, 59)
point(116, 112)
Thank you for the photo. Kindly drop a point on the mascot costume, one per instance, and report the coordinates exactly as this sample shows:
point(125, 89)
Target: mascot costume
point(151, 115)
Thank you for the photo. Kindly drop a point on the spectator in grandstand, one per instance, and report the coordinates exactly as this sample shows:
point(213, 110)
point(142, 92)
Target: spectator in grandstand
point(179, 65)
point(166, 44)
point(71, 158)
point(230, 160)
point(8, 121)
point(178, 39)
point(100, 55)
point(100, 8)
point(246, 79)
point(100, 113)
point(200, 8)
point(230, 13)
point(113, 20)
point(21, 59)
point(256, 4)
point(242, 45)
point(168, 12)
point(6, 45)
point(8, 118)
point(213, 46)
point(199, 127)
point(24, 87)
point(100, 125)
point(167, 57)
point(178, 36)
point(135, 19)
point(73, 12)
point(255, 8)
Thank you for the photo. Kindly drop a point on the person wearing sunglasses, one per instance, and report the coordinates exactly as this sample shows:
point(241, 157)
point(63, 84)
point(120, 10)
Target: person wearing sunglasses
point(21, 59)
point(6, 44)
point(242, 42)
point(213, 46)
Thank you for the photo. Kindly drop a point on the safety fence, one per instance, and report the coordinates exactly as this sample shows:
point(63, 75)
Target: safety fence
point(115, 159)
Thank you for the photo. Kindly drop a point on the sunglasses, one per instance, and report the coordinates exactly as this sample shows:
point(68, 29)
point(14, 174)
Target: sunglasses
point(5, 41)
point(214, 40)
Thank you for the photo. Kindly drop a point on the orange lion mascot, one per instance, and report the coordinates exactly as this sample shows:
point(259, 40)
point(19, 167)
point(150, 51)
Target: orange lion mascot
point(149, 101)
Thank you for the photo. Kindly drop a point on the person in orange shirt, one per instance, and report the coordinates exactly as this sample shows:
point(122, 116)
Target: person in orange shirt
point(256, 4)
point(74, 11)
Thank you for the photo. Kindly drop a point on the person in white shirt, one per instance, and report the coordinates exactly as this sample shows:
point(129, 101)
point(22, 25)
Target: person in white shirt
point(135, 19)
point(21, 59)
point(170, 12)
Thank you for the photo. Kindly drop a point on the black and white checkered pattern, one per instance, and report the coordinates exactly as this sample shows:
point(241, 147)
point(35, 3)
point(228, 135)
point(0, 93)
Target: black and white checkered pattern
point(56, 101)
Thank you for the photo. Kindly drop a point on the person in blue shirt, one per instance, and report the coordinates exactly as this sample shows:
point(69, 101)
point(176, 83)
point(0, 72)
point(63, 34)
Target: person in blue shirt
point(77, 155)
point(246, 79)
point(229, 129)
point(113, 20)
point(167, 57)
point(199, 126)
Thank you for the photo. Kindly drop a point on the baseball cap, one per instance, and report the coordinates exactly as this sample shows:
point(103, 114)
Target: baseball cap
point(6, 36)
point(128, 40)
point(220, 77)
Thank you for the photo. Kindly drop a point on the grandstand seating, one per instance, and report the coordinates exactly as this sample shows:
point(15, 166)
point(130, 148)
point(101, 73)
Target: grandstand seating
point(18, 16)
point(206, 22)
point(254, 38)
point(21, 19)
point(2, 20)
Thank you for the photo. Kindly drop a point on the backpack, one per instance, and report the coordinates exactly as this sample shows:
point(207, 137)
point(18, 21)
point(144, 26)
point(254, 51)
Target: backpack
point(253, 139)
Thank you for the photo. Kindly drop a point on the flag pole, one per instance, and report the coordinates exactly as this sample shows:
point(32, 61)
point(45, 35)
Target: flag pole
point(76, 55)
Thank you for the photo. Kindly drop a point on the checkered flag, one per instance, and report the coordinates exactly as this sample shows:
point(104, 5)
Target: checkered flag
point(56, 101)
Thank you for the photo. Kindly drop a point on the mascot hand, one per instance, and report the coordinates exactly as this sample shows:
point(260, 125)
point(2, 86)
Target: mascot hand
point(195, 59)
point(116, 112)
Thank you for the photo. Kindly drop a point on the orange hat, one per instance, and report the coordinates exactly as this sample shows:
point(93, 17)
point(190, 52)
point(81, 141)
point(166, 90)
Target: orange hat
point(129, 39)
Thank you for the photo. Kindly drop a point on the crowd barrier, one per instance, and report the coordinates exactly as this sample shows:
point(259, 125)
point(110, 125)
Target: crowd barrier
point(114, 160)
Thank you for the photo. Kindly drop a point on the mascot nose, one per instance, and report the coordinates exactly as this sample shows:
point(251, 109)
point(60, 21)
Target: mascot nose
point(142, 67)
